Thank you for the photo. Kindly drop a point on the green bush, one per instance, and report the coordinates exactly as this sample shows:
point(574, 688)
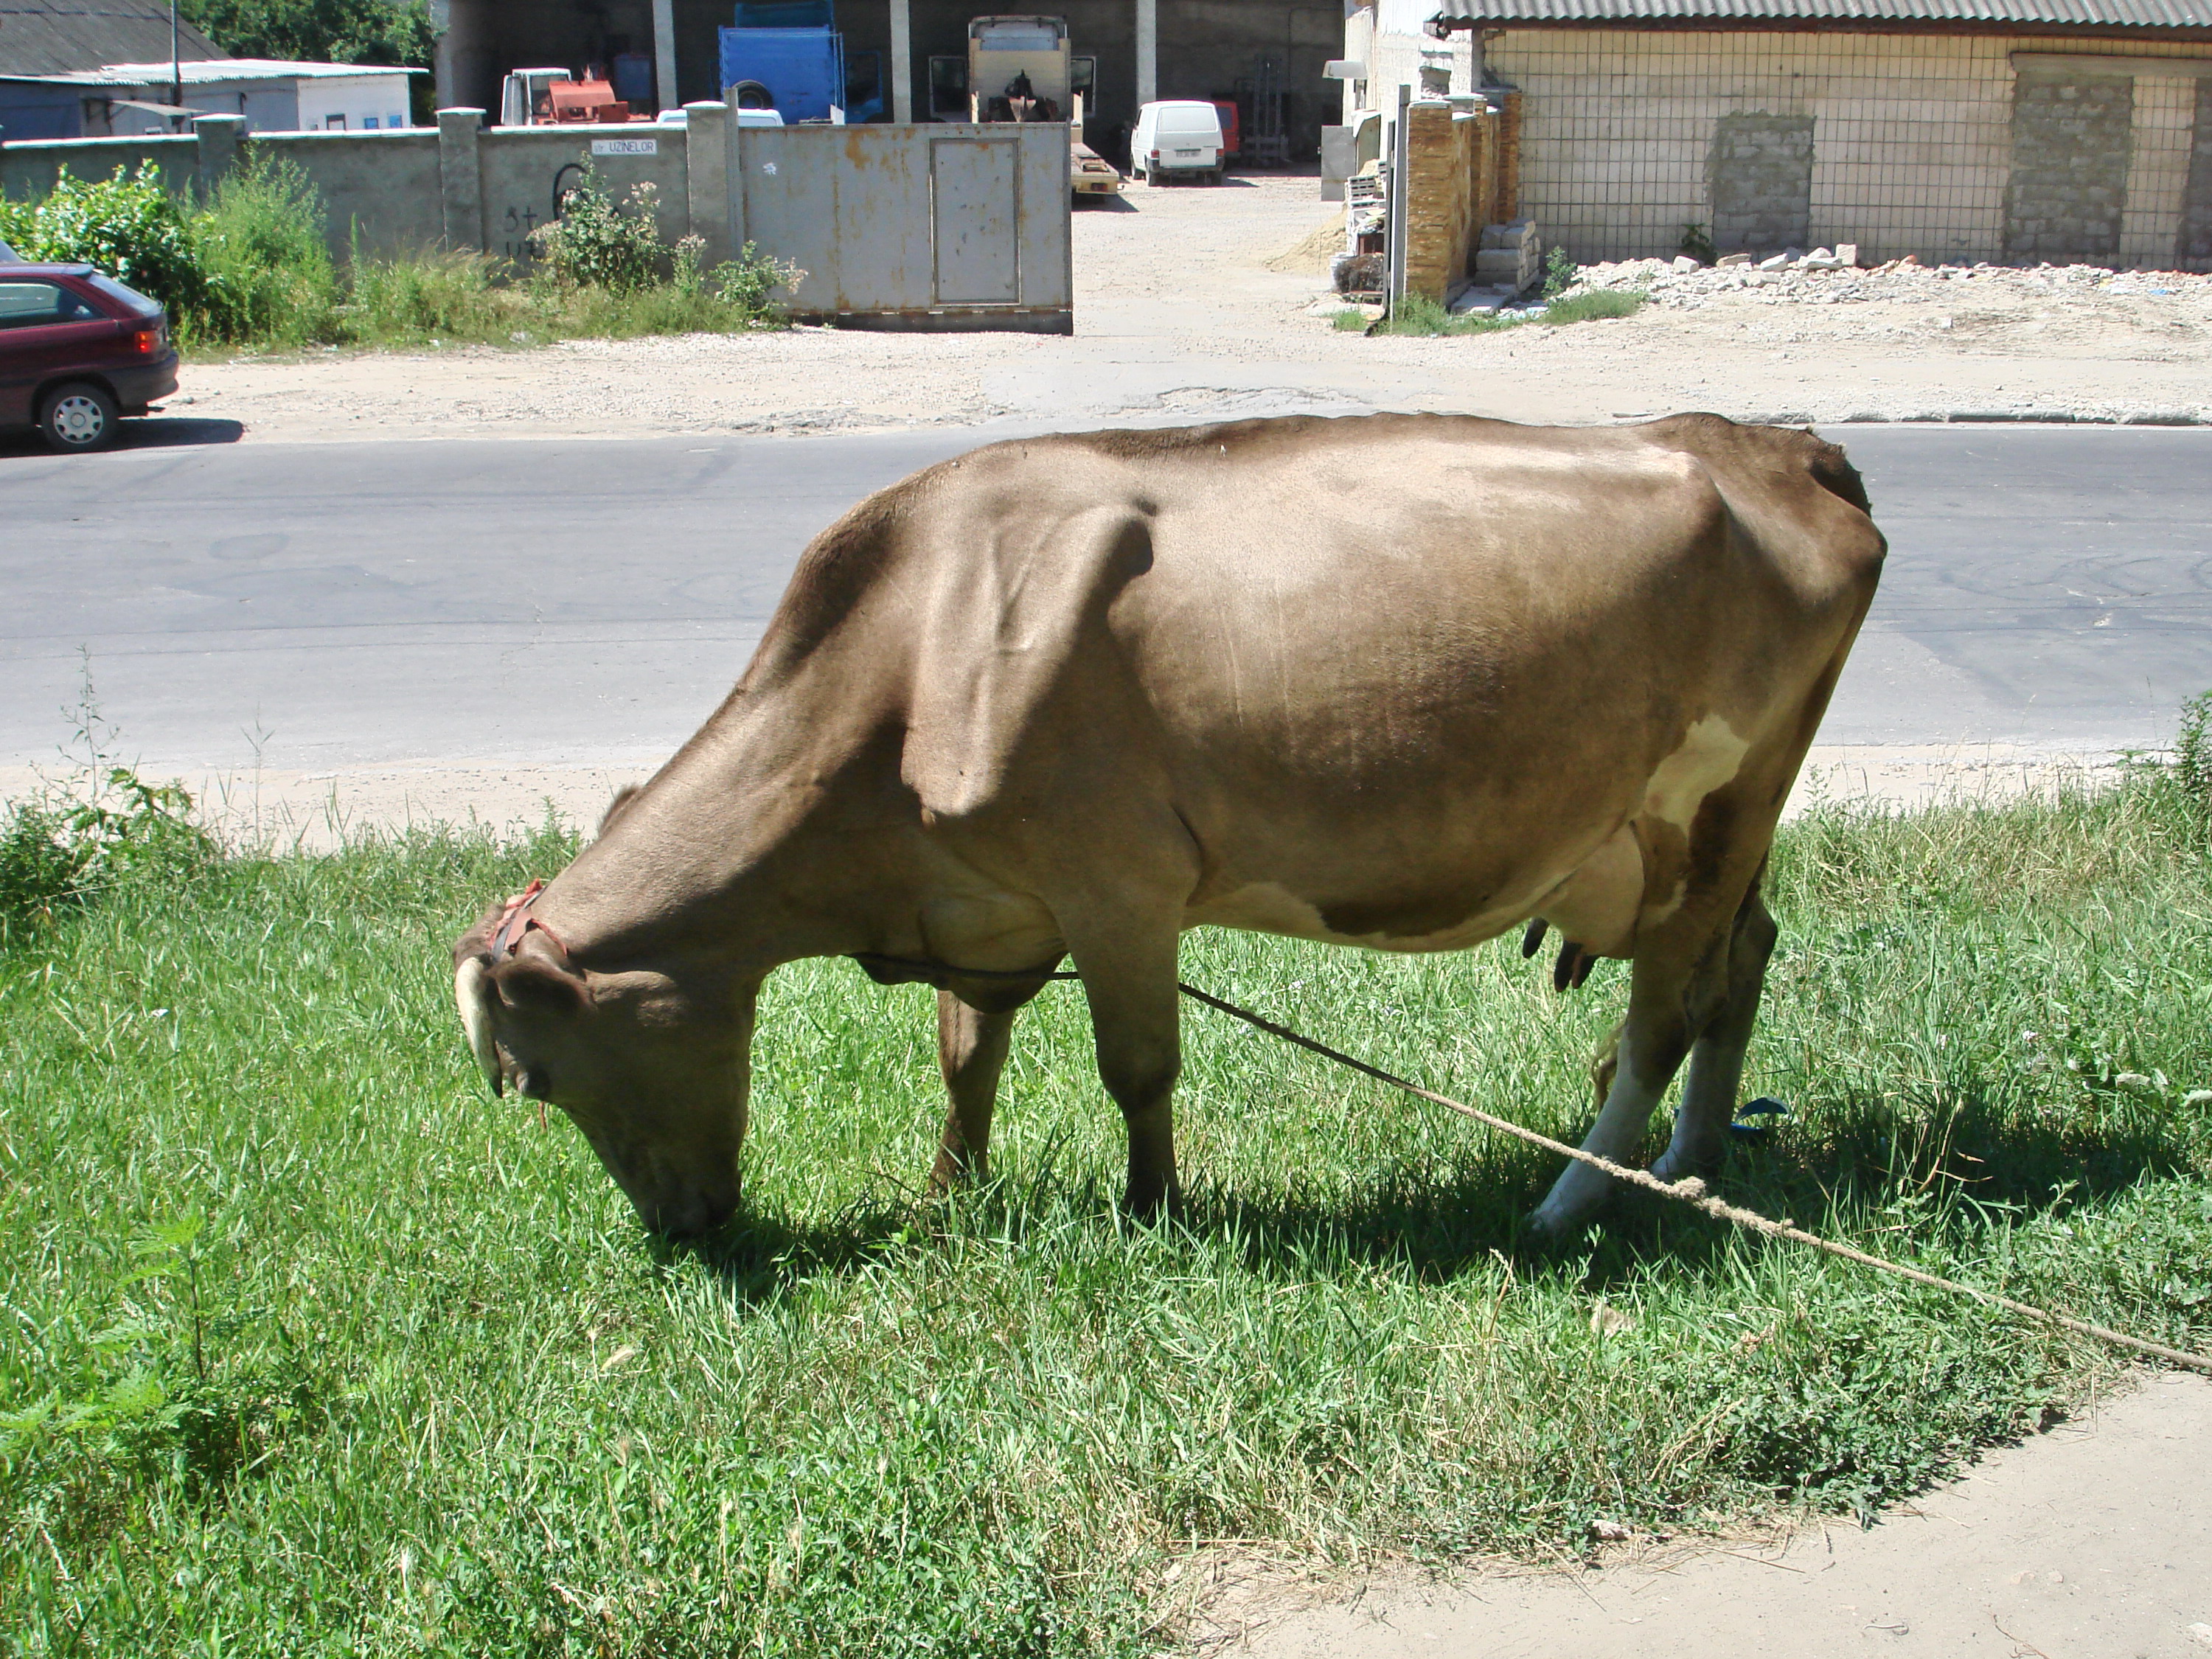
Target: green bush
point(2192, 750)
point(431, 296)
point(57, 854)
point(1595, 305)
point(598, 243)
point(1418, 314)
point(1560, 273)
point(129, 226)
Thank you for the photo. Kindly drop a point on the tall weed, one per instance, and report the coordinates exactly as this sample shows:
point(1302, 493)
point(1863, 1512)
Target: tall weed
point(429, 297)
point(268, 271)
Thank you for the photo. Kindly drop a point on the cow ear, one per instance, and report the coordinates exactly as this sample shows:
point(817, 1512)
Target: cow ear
point(533, 981)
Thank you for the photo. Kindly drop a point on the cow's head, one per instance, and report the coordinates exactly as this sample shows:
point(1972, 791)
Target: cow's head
point(652, 1066)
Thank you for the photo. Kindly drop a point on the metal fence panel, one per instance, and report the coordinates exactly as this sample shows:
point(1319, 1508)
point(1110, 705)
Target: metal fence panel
point(921, 226)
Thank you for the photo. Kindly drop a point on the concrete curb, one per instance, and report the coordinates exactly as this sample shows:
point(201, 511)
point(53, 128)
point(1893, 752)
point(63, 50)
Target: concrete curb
point(2162, 417)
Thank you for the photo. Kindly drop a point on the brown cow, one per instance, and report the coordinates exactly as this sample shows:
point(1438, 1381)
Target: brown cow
point(1400, 681)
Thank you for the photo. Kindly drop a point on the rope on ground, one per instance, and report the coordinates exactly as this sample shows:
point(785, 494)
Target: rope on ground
point(1692, 1193)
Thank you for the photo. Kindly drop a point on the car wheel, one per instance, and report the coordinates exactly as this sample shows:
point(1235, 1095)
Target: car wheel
point(78, 417)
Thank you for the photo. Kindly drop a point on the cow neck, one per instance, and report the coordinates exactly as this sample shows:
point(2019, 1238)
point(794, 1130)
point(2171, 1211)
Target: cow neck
point(744, 853)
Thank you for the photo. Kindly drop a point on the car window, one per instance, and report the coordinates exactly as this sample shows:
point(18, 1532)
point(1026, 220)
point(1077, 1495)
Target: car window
point(25, 304)
point(123, 291)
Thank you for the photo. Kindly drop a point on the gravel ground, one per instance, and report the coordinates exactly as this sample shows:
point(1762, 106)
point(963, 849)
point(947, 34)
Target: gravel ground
point(1179, 315)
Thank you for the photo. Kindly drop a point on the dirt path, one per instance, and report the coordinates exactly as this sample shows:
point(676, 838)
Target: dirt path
point(1179, 313)
point(2094, 1541)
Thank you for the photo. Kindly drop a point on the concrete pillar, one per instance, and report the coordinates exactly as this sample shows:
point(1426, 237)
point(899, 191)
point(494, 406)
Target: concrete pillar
point(463, 65)
point(706, 180)
point(460, 177)
point(218, 137)
point(664, 53)
point(1148, 51)
point(901, 61)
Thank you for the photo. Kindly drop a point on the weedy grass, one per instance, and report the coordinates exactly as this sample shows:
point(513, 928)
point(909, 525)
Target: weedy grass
point(1418, 315)
point(310, 1347)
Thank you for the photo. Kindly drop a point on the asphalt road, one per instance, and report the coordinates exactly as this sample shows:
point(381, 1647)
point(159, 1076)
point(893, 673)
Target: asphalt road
point(590, 601)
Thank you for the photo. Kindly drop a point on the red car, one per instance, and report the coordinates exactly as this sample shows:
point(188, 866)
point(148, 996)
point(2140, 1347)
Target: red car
point(78, 352)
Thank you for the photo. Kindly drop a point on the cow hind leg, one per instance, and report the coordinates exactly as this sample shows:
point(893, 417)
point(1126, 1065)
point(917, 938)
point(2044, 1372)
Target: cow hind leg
point(1709, 1095)
point(971, 1052)
point(1647, 1051)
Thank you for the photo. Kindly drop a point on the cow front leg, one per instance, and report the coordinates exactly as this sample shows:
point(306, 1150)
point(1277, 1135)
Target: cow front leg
point(971, 1052)
point(1648, 1052)
point(1129, 979)
point(1709, 1094)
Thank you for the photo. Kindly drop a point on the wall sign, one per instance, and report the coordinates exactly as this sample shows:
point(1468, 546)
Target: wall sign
point(625, 146)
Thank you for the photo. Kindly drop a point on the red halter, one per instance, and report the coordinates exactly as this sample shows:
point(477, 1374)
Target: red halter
point(507, 938)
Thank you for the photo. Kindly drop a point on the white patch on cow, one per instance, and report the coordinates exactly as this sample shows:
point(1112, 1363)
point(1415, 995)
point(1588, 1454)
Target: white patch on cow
point(1709, 757)
point(1262, 906)
point(473, 992)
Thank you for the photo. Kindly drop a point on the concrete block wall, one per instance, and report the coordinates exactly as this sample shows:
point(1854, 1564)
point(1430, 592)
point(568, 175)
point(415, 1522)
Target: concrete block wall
point(1915, 141)
point(1760, 175)
point(29, 169)
point(460, 185)
point(522, 170)
point(2197, 189)
point(2071, 143)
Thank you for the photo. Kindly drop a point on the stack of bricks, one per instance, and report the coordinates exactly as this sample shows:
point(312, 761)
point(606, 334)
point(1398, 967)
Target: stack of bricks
point(1445, 167)
point(1460, 161)
point(1510, 257)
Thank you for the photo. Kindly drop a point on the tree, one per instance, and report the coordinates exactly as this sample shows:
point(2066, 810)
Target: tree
point(395, 32)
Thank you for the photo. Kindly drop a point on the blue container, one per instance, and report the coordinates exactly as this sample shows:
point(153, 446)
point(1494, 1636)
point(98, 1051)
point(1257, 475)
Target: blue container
point(802, 68)
point(785, 14)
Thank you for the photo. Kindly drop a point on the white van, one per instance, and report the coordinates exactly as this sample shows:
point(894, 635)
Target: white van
point(1180, 138)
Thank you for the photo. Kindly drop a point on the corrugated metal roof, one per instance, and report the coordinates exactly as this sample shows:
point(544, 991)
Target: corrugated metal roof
point(2116, 15)
point(54, 37)
point(207, 71)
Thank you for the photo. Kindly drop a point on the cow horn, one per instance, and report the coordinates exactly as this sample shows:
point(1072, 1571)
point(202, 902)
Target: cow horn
point(474, 992)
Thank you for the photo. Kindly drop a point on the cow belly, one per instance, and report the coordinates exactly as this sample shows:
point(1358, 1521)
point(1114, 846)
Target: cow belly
point(1267, 907)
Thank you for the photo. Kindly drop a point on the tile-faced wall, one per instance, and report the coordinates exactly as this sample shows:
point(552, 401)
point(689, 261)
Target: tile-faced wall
point(1913, 143)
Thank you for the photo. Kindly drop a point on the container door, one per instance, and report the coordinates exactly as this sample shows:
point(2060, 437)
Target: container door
point(974, 216)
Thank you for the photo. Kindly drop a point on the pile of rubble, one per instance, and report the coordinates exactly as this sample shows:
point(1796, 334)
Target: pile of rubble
point(1828, 276)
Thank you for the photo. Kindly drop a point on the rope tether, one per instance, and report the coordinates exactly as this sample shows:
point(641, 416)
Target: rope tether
point(1690, 1191)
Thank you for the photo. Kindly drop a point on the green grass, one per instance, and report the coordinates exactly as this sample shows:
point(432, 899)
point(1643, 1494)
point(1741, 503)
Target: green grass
point(1418, 315)
point(310, 1347)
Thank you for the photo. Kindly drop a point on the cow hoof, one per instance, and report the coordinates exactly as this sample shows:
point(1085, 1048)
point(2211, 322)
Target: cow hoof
point(1575, 1198)
point(1677, 1165)
point(1149, 1208)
